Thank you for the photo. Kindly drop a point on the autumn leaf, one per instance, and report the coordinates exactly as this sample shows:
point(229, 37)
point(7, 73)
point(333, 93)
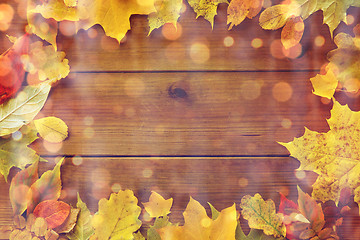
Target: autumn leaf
point(262, 215)
point(47, 187)
point(254, 234)
point(69, 223)
point(157, 205)
point(198, 226)
point(117, 217)
point(324, 85)
point(238, 10)
point(54, 212)
point(19, 187)
point(160, 222)
point(275, 17)
point(83, 229)
point(17, 153)
point(57, 9)
point(12, 73)
point(344, 61)
point(333, 155)
point(206, 8)
point(167, 12)
point(292, 32)
point(21, 110)
point(139, 236)
point(52, 129)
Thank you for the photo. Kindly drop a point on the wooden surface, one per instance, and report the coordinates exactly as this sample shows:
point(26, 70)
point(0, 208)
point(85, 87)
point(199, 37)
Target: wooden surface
point(145, 116)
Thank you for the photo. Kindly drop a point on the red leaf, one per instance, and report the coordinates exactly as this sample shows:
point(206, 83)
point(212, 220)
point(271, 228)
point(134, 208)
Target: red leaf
point(12, 72)
point(286, 204)
point(54, 212)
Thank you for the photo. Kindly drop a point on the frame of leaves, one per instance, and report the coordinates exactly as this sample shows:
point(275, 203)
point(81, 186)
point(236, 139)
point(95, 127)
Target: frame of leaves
point(38, 213)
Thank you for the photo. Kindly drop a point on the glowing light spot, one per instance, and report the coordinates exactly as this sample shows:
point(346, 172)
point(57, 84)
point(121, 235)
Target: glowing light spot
point(44, 27)
point(243, 182)
point(319, 41)
point(257, 43)
point(147, 173)
point(88, 120)
point(92, 33)
point(17, 135)
point(52, 147)
point(89, 132)
point(350, 19)
point(6, 16)
point(116, 187)
point(205, 222)
point(300, 174)
point(134, 87)
point(282, 91)
point(146, 217)
point(293, 52)
point(267, 3)
point(199, 53)
point(67, 28)
point(170, 32)
point(286, 123)
point(251, 90)
point(77, 160)
point(276, 49)
point(228, 41)
point(109, 44)
point(299, 26)
point(5, 66)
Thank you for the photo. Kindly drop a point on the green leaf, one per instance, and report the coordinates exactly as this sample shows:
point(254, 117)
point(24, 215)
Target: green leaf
point(262, 215)
point(83, 229)
point(160, 222)
point(47, 187)
point(21, 110)
point(15, 153)
point(138, 236)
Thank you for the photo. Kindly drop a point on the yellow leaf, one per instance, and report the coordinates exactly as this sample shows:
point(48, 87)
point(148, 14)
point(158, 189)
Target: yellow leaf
point(345, 61)
point(333, 155)
point(117, 217)
point(206, 8)
point(157, 205)
point(238, 10)
point(324, 85)
point(168, 12)
point(274, 17)
point(262, 215)
point(198, 226)
point(52, 129)
point(112, 15)
point(292, 32)
point(70, 3)
point(58, 10)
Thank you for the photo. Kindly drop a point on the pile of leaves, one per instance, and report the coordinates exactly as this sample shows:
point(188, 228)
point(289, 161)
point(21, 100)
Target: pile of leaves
point(38, 212)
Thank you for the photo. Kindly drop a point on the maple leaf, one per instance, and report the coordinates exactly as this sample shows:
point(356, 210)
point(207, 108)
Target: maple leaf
point(238, 10)
point(83, 229)
point(157, 205)
point(333, 155)
point(262, 215)
point(47, 187)
point(21, 110)
point(198, 226)
point(324, 85)
point(344, 61)
point(167, 12)
point(117, 217)
point(206, 8)
point(16, 153)
point(52, 129)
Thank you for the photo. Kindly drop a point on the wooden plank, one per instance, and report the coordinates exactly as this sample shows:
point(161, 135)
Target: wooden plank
point(183, 113)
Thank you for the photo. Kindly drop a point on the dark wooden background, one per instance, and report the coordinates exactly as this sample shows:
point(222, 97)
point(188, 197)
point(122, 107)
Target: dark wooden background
point(143, 115)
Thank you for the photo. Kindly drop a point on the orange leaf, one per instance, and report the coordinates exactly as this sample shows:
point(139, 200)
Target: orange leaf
point(292, 32)
point(54, 212)
point(255, 8)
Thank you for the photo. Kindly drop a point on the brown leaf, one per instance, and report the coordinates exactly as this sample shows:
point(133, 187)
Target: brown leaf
point(51, 235)
point(54, 212)
point(39, 227)
point(18, 234)
point(292, 32)
point(306, 234)
point(19, 222)
point(5, 232)
point(69, 223)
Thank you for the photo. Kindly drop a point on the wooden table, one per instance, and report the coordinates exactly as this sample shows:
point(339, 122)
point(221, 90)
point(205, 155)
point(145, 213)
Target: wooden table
point(147, 115)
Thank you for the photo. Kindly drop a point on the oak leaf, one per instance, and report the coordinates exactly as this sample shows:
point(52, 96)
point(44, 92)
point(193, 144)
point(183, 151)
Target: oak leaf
point(238, 10)
point(52, 129)
point(54, 212)
point(167, 12)
point(157, 205)
point(117, 217)
point(83, 229)
point(262, 215)
point(21, 110)
point(324, 85)
point(47, 187)
point(198, 226)
point(206, 8)
point(333, 155)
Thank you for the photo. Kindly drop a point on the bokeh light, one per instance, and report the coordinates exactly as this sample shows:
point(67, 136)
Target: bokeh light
point(116, 187)
point(67, 28)
point(319, 41)
point(77, 160)
point(17, 136)
point(286, 123)
point(350, 19)
point(199, 52)
point(282, 91)
point(6, 16)
point(92, 33)
point(147, 173)
point(243, 182)
point(293, 52)
point(170, 32)
point(257, 43)
point(229, 41)
point(300, 174)
point(52, 147)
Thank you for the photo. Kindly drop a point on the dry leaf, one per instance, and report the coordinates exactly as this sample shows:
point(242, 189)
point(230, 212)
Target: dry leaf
point(117, 217)
point(206, 8)
point(324, 85)
point(57, 9)
point(238, 10)
point(39, 227)
point(54, 212)
point(69, 223)
point(275, 17)
point(292, 32)
point(52, 129)
point(262, 215)
point(168, 12)
point(157, 205)
point(5, 232)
